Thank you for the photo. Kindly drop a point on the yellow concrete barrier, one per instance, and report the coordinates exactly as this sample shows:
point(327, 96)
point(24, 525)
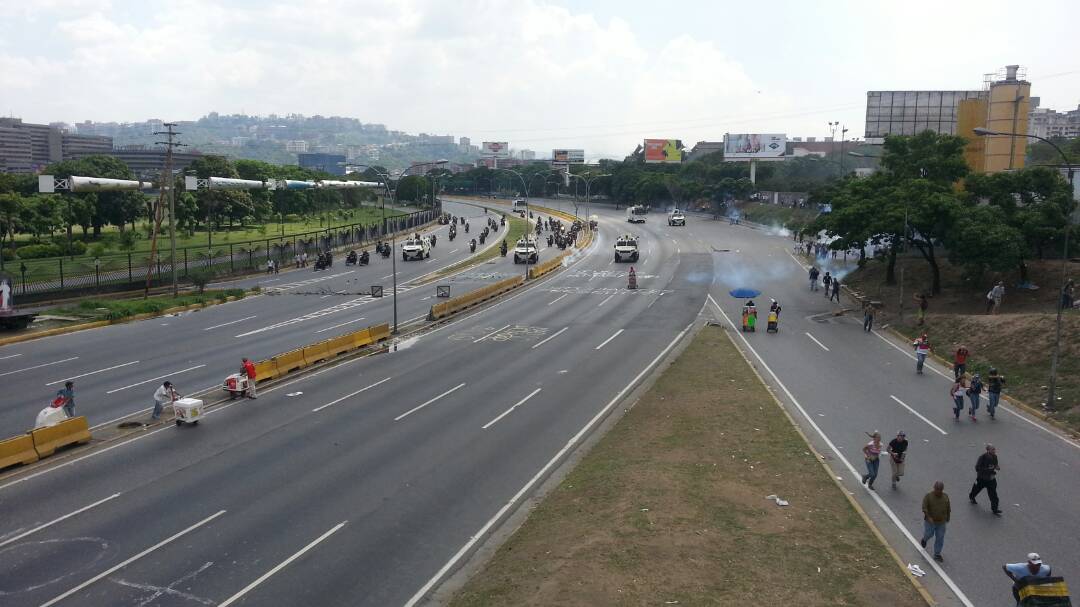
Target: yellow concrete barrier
point(289, 361)
point(68, 432)
point(17, 450)
point(379, 332)
point(266, 369)
point(342, 344)
point(315, 353)
point(461, 302)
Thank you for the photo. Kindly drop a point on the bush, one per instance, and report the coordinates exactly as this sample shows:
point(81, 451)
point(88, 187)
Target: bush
point(200, 277)
point(38, 251)
point(292, 218)
point(9, 254)
point(97, 249)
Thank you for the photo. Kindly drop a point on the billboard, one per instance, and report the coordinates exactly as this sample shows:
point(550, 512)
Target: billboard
point(568, 156)
point(495, 149)
point(754, 145)
point(663, 150)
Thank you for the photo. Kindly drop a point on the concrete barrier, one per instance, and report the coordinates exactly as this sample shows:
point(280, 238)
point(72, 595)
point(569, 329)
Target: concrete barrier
point(17, 450)
point(289, 361)
point(379, 332)
point(461, 302)
point(342, 344)
point(266, 369)
point(67, 432)
point(315, 353)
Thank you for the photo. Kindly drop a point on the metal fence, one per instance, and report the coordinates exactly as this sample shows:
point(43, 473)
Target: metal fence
point(111, 272)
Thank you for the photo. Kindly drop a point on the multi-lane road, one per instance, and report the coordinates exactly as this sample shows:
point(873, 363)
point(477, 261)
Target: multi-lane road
point(372, 481)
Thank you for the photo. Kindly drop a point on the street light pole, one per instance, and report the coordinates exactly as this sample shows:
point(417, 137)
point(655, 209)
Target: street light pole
point(526, 186)
point(1051, 392)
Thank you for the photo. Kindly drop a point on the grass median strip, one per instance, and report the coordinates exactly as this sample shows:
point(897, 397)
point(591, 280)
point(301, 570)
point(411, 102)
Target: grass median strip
point(516, 229)
point(670, 508)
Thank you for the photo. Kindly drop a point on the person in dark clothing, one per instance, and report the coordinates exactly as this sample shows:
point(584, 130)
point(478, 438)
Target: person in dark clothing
point(960, 361)
point(994, 383)
point(986, 469)
point(897, 454)
point(868, 316)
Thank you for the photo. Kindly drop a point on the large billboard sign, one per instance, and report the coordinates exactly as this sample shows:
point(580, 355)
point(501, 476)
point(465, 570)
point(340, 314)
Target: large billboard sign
point(663, 150)
point(754, 145)
point(495, 149)
point(568, 156)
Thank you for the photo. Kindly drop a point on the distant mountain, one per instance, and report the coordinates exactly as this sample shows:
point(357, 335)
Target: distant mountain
point(279, 139)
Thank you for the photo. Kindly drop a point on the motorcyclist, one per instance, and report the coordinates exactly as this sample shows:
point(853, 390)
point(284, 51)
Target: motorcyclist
point(502, 248)
point(466, 228)
point(364, 258)
point(472, 245)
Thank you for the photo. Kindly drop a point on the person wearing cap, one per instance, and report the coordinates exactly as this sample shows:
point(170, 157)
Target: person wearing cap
point(1034, 567)
point(986, 469)
point(897, 452)
point(936, 514)
point(164, 395)
point(872, 453)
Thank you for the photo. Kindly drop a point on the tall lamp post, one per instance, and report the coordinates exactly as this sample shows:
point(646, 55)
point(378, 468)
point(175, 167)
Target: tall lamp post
point(588, 199)
point(526, 186)
point(393, 241)
point(1052, 386)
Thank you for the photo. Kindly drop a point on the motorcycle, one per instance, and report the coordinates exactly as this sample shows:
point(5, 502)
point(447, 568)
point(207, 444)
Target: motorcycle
point(472, 245)
point(351, 258)
point(364, 258)
point(502, 221)
point(502, 248)
point(551, 240)
point(385, 250)
point(453, 233)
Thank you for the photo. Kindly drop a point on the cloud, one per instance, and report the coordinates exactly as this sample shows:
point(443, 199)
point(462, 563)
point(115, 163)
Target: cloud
point(526, 71)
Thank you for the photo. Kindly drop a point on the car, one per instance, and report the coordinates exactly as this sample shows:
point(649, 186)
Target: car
point(636, 214)
point(415, 249)
point(525, 251)
point(626, 248)
point(676, 218)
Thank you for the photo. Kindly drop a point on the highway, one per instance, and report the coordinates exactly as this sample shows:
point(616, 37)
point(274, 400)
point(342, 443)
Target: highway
point(372, 481)
point(117, 368)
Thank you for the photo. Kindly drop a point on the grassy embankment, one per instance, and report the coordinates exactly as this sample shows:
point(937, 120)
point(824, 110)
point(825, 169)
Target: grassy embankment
point(670, 508)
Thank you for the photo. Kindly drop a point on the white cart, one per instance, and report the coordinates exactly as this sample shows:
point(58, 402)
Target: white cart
point(188, 410)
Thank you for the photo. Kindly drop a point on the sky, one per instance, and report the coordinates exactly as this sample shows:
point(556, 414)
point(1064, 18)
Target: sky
point(599, 75)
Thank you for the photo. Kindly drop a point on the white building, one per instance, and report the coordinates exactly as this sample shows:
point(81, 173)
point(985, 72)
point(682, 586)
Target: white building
point(298, 146)
point(1044, 122)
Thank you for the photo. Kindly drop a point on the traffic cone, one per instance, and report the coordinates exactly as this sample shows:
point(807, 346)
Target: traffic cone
point(633, 279)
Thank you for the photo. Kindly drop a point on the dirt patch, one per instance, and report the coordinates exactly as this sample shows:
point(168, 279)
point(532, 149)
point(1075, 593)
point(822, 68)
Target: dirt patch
point(670, 507)
point(1018, 341)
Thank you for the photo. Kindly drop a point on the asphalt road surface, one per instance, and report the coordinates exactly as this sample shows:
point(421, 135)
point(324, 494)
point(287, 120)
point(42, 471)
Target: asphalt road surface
point(370, 482)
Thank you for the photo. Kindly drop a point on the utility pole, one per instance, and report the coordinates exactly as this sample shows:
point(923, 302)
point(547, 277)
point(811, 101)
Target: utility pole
point(168, 184)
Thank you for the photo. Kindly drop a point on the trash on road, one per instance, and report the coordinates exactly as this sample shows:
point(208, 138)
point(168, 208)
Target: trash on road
point(915, 570)
point(779, 502)
point(291, 394)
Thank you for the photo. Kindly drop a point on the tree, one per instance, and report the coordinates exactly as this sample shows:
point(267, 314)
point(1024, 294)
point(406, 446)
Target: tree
point(412, 188)
point(982, 241)
point(12, 210)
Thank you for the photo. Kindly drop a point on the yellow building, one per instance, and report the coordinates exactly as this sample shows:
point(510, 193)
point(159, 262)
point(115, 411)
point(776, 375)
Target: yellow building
point(1004, 109)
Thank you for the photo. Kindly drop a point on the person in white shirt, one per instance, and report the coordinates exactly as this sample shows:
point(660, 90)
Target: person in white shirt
point(164, 395)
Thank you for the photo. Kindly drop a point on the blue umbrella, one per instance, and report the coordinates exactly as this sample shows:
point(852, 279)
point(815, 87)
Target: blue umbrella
point(744, 293)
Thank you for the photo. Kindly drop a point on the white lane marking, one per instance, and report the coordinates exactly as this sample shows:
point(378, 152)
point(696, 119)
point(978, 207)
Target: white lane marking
point(608, 298)
point(348, 396)
point(840, 457)
point(54, 521)
point(417, 408)
point(654, 301)
point(817, 342)
point(55, 362)
point(324, 296)
point(431, 260)
point(131, 560)
point(476, 341)
point(558, 298)
point(60, 381)
point(510, 410)
point(387, 276)
point(547, 339)
point(342, 324)
point(919, 415)
point(611, 262)
point(454, 251)
point(570, 444)
point(283, 564)
point(231, 322)
point(9, 356)
point(1033, 423)
point(146, 381)
point(605, 342)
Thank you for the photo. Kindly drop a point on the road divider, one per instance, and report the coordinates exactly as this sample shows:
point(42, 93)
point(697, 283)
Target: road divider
point(282, 364)
point(17, 450)
point(474, 297)
point(71, 431)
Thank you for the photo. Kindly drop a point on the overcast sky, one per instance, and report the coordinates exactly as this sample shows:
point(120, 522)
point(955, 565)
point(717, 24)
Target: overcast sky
point(599, 75)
